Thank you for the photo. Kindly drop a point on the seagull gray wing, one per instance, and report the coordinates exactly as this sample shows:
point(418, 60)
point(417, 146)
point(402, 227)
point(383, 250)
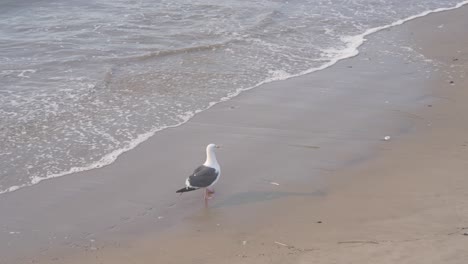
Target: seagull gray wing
point(202, 177)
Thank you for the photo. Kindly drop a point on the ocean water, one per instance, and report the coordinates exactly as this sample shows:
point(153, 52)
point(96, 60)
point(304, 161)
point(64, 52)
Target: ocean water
point(83, 81)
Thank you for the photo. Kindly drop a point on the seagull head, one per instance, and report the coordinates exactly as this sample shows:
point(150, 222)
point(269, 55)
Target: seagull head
point(212, 146)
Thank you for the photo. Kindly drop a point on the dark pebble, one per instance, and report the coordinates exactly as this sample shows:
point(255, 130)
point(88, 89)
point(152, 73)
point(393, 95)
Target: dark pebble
point(429, 105)
point(319, 222)
point(452, 82)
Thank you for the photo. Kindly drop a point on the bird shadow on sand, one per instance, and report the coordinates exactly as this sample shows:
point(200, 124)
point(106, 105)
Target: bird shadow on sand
point(263, 196)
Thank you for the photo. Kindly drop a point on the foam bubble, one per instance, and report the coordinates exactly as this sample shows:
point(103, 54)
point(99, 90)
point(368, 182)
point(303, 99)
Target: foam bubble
point(277, 75)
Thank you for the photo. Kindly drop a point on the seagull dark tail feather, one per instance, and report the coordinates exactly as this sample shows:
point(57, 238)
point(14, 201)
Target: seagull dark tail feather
point(186, 189)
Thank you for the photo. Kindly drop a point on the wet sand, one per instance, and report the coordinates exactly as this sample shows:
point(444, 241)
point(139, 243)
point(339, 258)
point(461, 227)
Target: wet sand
point(344, 194)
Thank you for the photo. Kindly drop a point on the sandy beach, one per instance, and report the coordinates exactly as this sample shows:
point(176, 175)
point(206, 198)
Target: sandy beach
point(340, 192)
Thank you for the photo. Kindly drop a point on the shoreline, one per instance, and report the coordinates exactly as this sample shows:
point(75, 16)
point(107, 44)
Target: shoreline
point(358, 41)
point(330, 175)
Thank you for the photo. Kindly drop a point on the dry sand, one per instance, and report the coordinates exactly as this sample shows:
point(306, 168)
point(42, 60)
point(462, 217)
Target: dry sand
point(344, 194)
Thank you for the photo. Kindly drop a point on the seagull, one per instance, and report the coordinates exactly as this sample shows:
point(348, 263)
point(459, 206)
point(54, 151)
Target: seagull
point(205, 176)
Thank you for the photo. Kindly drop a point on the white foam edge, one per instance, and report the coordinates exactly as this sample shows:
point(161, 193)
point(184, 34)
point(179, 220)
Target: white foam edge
point(354, 42)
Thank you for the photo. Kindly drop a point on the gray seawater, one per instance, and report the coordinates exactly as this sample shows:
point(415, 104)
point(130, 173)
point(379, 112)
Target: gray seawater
point(82, 81)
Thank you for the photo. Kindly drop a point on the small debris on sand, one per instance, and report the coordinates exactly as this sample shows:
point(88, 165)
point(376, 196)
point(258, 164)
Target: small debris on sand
point(281, 244)
point(386, 138)
point(274, 183)
point(358, 242)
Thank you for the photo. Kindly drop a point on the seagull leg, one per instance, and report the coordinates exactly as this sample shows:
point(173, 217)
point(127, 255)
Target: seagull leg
point(206, 198)
point(209, 193)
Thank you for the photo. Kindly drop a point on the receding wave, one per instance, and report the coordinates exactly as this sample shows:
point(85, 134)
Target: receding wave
point(165, 53)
